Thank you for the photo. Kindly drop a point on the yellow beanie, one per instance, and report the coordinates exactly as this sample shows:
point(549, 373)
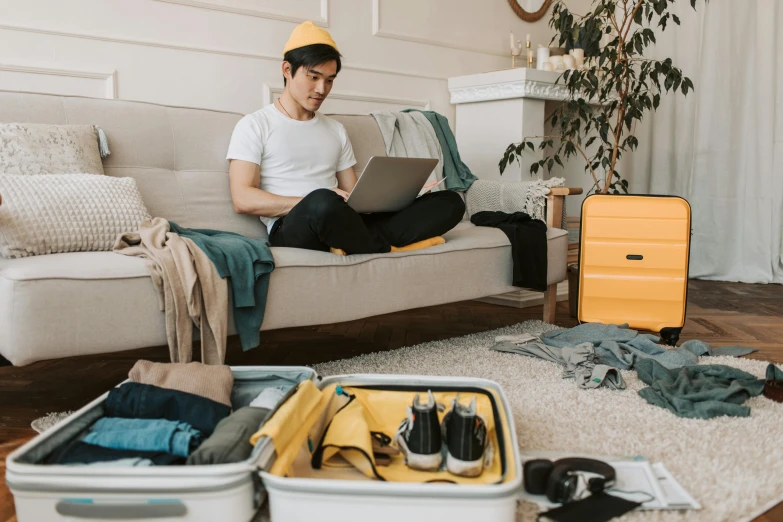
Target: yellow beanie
point(308, 33)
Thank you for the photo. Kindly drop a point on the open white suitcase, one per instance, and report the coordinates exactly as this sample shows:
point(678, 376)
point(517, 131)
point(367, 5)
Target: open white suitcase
point(235, 492)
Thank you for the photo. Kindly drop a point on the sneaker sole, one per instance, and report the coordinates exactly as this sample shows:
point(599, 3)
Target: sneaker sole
point(419, 461)
point(464, 468)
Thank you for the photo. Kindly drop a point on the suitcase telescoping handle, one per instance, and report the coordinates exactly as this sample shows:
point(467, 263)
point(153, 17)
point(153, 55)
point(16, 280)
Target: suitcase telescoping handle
point(87, 509)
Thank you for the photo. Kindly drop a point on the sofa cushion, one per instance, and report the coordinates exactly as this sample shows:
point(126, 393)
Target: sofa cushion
point(176, 155)
point(39, 148)
point(45, 214)
point(96, 302)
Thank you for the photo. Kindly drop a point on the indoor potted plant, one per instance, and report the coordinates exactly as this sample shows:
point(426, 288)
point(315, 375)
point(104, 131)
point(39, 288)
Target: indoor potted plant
point(611, 92)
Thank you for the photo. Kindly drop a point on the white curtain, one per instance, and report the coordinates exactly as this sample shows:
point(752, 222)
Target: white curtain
point(721, 147)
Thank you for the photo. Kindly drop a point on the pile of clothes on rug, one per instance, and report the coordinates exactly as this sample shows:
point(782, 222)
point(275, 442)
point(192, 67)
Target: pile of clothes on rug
point(171, 414)
point(592, 354)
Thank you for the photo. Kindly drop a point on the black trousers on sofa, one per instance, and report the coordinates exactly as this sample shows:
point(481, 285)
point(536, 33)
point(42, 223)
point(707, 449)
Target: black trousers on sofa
point(323, 220)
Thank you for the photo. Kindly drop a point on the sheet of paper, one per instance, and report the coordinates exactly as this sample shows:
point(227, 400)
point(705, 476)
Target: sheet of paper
point(676, 495)
point(638, 483)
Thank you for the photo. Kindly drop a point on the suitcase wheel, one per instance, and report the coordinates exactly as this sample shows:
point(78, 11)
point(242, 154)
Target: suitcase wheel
point(671, 335)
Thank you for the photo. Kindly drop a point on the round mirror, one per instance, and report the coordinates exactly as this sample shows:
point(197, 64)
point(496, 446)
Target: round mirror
point(530, 10)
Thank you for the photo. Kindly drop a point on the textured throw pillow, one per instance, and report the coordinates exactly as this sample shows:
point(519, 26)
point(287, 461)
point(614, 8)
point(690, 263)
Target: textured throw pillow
point(44, 214)
point(34, 148)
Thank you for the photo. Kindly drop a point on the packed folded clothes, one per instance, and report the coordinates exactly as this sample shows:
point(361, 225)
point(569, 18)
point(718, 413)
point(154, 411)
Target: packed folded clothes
point(231, 440)
point(177, 438)
point(143, 401)
point(136, 462)
point(170, 413)
point(78, 452)
point(209, 381)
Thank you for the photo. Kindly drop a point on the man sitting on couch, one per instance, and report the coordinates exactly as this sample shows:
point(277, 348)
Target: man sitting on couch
point(293, 167)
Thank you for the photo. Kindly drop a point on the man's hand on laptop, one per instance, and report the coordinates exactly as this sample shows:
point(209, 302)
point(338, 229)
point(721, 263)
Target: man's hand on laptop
point(429, 186)
point(342, 193)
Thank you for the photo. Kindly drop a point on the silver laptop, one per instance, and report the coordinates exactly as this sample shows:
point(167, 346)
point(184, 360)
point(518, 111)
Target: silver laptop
point(390, 184)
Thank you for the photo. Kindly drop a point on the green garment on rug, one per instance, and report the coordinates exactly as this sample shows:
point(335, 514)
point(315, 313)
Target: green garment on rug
point(248, 262)
point(458, 175)
point(700, 391)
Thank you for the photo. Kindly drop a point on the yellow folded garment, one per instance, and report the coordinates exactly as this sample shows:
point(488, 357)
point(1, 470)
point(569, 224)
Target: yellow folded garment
point(349, 437)
point(424, 243)
point(289, 426)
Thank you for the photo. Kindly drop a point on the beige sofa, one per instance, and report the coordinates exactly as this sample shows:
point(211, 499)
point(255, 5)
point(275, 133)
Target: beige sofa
point(97, 302)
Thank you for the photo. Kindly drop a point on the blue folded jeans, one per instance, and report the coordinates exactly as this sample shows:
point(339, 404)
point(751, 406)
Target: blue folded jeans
point(176, 438)
point(133, 400)
point(77, 452)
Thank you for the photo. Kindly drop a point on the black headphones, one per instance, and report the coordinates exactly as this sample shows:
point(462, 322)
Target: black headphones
point(558, 481)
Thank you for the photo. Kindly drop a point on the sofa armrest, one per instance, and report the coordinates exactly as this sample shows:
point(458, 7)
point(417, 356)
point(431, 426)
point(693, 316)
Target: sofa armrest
point(515, 196)
point(564, 191)
point(554, 204)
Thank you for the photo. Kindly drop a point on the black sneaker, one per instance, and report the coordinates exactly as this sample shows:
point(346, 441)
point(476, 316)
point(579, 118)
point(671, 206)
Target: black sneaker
point(465, 434)
point(419, 435)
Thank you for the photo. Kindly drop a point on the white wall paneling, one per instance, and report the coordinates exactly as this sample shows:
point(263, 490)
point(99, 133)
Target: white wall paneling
point(218, 54)
point(465, 25)
point(162, 44)
point(57, 78)
point(297, 11)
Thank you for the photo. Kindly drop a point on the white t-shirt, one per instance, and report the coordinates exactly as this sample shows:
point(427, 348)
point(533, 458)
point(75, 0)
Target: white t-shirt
point(296, 157)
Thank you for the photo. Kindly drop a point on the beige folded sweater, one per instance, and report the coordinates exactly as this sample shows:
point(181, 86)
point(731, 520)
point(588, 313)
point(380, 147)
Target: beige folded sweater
point(211, 381)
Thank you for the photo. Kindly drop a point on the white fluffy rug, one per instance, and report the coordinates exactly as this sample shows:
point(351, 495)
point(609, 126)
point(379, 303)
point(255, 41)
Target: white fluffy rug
point(732, 466)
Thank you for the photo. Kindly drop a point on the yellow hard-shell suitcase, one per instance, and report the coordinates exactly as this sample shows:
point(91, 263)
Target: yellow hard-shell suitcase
point(633, 262)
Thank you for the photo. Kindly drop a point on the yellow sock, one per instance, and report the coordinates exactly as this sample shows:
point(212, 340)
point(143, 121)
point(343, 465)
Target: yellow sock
point(424, 243)
point(338, 251)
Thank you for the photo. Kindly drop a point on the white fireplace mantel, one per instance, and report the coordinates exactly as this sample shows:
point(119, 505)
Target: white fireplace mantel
point(503, 85)
point(495, 109)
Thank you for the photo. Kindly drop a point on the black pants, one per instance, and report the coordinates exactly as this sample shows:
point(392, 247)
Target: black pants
point(323, 220)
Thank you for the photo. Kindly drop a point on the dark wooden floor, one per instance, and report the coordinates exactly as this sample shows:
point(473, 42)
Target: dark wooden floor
point(719, 313)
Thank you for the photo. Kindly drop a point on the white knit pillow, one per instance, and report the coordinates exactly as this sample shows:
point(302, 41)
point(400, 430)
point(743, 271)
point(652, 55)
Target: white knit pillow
point(38, 148)
point(43, 214)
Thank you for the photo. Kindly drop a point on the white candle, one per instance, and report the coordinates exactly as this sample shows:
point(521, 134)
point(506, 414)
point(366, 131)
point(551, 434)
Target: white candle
point(511, 34)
